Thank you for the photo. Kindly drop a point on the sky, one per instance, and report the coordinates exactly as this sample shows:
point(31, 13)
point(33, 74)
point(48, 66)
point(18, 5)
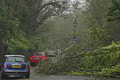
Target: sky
point(77, 0)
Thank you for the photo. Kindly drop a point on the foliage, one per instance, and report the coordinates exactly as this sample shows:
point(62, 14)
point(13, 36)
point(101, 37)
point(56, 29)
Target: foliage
point(49, 67)
point(96, 21)
point(102, 61)
point(114, 71)
point(97, 50)
point(27, 25)
point(19, 21)
point(10, 32)
point(103, 57)
point(114, 13)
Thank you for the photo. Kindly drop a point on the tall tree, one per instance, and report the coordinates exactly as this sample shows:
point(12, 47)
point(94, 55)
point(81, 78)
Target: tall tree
point(114, 13)
point(19, 20)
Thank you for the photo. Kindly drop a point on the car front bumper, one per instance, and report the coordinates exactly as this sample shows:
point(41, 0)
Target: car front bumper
point(15, 73)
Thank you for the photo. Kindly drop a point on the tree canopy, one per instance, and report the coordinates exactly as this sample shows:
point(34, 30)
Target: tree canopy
point(114, 13)
point(19, 20)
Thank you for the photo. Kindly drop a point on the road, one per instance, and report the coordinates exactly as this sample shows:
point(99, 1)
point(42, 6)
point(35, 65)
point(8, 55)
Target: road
point(35, 76)
point(64, 77)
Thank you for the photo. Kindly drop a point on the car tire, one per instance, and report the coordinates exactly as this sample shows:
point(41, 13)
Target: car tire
point(33, 64)
point(27, 76)
point(2, 76)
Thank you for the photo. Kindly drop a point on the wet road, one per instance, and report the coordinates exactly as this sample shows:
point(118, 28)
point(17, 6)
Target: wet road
point(64, 77)
point(34, 76)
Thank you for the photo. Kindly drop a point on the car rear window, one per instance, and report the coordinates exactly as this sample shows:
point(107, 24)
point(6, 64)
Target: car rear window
point(15, 59)
point(39, 53)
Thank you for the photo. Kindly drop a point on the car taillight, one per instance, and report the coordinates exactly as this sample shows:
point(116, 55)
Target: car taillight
point(31, 58)
point(5, 66)
point(27, 66)
point(43, 57)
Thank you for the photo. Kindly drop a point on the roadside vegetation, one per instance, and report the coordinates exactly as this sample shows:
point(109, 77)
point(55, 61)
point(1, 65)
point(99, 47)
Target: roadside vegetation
point(41, 25)
point(20, 24)
point(98, 50)
point(103, 61)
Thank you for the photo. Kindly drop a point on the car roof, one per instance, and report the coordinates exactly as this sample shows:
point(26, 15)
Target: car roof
point(14, 56)
point(38, 52)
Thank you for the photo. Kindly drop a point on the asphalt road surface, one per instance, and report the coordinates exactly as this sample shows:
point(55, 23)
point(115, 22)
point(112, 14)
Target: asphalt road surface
point(35, 76)
point(64, 77)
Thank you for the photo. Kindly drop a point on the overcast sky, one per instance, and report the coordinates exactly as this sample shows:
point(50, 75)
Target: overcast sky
point(77, 0)
point(70, 0)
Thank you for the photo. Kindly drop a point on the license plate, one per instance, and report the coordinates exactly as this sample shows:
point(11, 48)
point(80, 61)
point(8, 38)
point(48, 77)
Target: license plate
point(37, 58)
point(16, 66)
point(11, 75)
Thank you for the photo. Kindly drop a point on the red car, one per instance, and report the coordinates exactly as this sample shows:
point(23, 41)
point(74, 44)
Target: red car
point(37, 57)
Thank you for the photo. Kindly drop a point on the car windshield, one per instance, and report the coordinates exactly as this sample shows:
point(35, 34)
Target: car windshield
point(15, 59)
point(39, 53)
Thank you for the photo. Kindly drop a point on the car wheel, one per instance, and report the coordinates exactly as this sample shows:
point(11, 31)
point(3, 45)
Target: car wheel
point(27, 76)
point(2, 76)
point(33, 64)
